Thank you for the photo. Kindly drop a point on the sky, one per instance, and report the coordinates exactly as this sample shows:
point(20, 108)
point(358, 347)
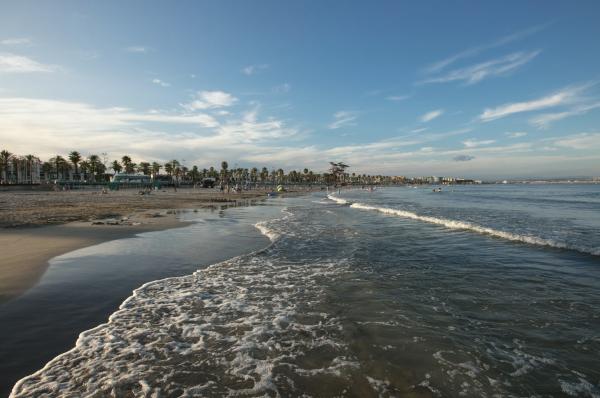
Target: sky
point(462, 88)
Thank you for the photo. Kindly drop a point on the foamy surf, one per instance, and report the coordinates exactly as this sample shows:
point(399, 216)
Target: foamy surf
point(337, 200)
point(234, 328)
point(467, 226)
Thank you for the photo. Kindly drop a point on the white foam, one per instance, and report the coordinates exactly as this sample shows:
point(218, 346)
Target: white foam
point(222, 331)
point(337, 200)
point(463, 225)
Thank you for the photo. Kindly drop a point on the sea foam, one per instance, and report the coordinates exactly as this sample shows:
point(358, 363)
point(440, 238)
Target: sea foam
point(234, 328)
point(468, 226)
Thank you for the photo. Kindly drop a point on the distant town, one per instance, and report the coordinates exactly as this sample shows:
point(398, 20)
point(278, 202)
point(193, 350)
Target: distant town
point(74, 170)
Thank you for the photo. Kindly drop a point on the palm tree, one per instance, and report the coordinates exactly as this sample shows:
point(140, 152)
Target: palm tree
point(4, 158)
point(75, 158)
point(144, 167)
point(126, 161)
point(224, 167)
point(116, 166)
point(29, 172)
point(156, 168)
point(96, 166)
point(47, 169)
point(169, 168)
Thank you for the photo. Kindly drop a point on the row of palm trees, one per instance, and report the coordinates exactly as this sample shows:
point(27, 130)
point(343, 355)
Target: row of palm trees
point(93, 168)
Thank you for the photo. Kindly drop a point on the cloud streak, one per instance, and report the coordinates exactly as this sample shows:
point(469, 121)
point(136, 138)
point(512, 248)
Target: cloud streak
point(440, 65)
point(15, 41)
point(210, 100)
point(254, 69)
point(12, 63)
point(161, 83)
point(545, 120)
point(342, 119)
point(567, 95)
point(493, 68)
point(138, 49)
point(429, 116)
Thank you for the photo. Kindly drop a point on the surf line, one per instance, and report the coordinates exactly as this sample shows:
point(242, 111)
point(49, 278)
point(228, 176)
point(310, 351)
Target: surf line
point(467, 226)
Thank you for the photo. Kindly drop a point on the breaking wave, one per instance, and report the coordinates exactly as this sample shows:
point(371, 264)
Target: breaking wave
point(245, 326)
point(468, 226)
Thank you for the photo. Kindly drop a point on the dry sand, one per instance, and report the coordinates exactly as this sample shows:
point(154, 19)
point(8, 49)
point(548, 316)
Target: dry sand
point(28, 240)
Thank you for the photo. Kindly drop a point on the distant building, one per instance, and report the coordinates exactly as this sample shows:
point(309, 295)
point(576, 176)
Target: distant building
point(21, 170)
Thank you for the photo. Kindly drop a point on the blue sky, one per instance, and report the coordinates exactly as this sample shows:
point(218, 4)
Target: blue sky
point(476, 89)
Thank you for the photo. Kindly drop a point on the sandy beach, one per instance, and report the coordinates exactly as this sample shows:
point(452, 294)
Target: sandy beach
point(37, 226)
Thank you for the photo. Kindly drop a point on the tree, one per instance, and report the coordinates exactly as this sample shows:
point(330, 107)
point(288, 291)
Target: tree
point(224, 167)
point(156, 168)
point(95, 166)
point(169, 168)
point(127, 164)
point(116, 166)
point(4, 159)
point(61, 166)
point(144, 167)
point(194, 174)
point(75, 158)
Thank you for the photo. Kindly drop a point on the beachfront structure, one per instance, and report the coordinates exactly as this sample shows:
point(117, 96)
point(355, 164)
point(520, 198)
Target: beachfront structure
point(130, 179)
point(20, 169)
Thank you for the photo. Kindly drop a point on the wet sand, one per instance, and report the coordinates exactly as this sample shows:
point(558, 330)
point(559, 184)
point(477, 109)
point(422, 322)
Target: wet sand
point(37, 226)
point(26, 251)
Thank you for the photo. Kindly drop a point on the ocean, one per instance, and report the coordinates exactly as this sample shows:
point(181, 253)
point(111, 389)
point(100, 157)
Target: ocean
point(477, 291)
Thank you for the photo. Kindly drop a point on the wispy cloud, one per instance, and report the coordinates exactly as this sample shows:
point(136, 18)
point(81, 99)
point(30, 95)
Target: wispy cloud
point(545, 120)
point(12, 63)
point(463, 158)
point(472, 143)
point(397, 97)
point(580, 141)
point(282, 88)
point(493, 68)
point(210, 100)
point(429, 116)
point(440, 65)
point(254, 69)
point(138, 49)
point(567, 95)
point(516, 134)
point(16, 41)
point(343, 119)
point(161, 83)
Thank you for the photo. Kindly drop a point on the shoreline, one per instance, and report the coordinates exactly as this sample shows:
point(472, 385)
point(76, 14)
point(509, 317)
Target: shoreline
point(29, 249)
point(69, 221)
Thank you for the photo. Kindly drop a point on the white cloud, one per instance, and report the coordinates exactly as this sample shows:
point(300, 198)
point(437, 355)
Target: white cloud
point(342, 119)
point(565, 96)
point(516, 134)
point(253, 69)
point(440, 65)
point(210, 100)
point(44, 126)
point(580, 141)
point(138, 49)
point(419, 130)
point(282, 88)
point(471, 143)
point(161, 83)
point(12, 63)
point(545, 120)
point(495, 67)
point(429, 116)
point(397, 97)
point(15, 41)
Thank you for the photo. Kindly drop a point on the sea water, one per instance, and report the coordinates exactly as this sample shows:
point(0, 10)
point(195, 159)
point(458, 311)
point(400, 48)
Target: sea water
point(472, 291)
